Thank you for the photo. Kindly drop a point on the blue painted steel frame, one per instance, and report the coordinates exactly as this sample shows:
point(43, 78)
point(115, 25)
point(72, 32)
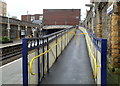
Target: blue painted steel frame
point(104, 62)
point(25, 50)
point(103, 50)
point(25, 62)
point(94, 39)
point(38, 63)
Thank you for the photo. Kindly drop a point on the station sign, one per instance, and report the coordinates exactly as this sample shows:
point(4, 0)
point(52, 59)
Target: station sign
point(110, 9)
point(22, 32)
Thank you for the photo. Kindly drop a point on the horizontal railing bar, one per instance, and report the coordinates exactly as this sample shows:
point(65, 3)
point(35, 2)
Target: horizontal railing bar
point(93, 35)
point(56, 32)
point(38, 56)
point(32, 48)
point(53, 34)
point(97, 39)
point(47, 36)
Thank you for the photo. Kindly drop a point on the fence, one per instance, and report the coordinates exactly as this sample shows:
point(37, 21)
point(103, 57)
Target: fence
point(46, 49)
point(97, 49)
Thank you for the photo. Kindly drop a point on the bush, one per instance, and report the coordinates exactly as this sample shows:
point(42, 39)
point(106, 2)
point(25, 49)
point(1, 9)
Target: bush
point(4, 39)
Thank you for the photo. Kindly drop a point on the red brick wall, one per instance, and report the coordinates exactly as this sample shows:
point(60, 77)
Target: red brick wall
point(24, 17)
point(61, 16)
point(37, 16)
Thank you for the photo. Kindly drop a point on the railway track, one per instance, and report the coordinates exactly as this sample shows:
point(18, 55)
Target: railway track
point(10, 53)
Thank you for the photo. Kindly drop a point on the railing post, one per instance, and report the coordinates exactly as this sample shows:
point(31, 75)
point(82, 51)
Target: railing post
point(25, 61)
point(68, 37)
point(38, 51)
point(104, 62)
point(47, 56)
point(56, 48)
point(65, 37)
point(43, 56)
point(61, 42)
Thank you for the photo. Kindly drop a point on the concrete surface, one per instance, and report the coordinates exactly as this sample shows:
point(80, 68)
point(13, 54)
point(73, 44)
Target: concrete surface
point(72, 67)
point(12, 72)
point(15, 42)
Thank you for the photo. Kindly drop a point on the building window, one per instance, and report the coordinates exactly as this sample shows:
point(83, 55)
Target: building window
point(40, 17)
point(32, 18)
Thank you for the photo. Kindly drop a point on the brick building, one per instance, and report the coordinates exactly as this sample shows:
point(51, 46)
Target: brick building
point(61, 16)
point(30, 18)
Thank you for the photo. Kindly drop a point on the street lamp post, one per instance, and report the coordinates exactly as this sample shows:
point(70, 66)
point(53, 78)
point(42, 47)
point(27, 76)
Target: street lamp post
point(18, 31)
point(27, 16)
point(26, 31)
point(8, 27)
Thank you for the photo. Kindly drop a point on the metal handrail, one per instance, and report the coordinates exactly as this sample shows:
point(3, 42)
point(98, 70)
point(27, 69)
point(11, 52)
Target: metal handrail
point(46, 36)
point(93, 57)
point(31, 62)
point(95, 61)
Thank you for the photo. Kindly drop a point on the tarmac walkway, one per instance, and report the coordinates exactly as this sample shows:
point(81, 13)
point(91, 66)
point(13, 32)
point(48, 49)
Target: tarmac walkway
point(73, 65)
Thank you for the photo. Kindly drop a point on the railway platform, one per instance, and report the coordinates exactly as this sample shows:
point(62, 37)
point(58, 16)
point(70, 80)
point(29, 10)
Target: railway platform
point(70, 56)
point(15, 42)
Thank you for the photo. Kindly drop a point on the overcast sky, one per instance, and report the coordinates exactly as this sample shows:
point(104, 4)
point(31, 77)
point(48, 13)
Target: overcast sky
point(20, 7)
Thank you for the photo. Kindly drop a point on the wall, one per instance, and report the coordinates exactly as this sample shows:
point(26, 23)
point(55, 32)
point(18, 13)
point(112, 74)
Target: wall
point(28, 17)
point(104, 22)
point(108, 27)
point(61, 16)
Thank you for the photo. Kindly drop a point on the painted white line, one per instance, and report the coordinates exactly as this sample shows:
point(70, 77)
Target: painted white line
point(11, 63)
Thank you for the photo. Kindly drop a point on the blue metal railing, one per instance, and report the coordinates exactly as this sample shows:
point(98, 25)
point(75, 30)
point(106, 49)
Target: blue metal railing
point(98, 45)
point(30, 44)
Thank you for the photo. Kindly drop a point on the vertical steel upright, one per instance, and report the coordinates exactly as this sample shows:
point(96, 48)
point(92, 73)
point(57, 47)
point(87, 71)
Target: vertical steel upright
point(104, 62)
point(38, 51)
point(47, 56)
point(25, 62)
point(61, 42)
point(56, 48)
point(65, 37)
point(43, 57)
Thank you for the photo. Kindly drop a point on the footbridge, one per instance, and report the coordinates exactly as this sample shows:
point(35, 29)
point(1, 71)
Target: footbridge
point(69, 56)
